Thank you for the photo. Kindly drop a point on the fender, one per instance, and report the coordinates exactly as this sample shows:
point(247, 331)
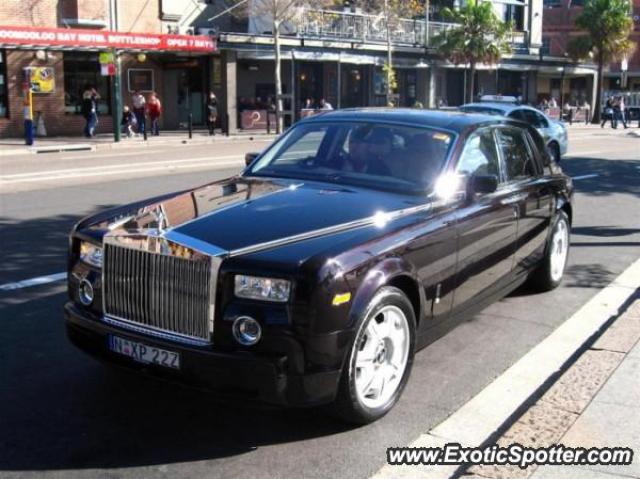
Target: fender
point(382, 273)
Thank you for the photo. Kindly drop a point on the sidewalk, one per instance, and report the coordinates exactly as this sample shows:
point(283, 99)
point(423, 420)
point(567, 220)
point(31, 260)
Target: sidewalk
point(104, 141)
point(595, 403)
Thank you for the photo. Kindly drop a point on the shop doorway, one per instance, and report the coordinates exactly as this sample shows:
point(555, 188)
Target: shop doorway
point(184, 93)
point(354, 86)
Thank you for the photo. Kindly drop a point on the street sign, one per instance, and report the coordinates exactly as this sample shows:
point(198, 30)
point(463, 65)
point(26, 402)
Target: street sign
point(106, 57)
point(108, 70)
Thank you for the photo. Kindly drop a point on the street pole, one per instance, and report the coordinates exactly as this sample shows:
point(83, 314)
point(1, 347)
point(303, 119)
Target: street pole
point(116, 91)
point(116, 98)
point(426, 24)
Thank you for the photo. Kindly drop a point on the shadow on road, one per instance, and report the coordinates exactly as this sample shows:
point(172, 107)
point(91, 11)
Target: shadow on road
point(60, 409)
point(614, 176)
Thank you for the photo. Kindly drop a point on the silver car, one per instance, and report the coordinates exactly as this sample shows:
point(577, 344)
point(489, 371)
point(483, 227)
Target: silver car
point(554, 132)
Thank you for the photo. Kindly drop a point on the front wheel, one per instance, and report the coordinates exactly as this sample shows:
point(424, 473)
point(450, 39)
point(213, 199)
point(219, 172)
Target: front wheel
point(380, 359)
point(549, 274)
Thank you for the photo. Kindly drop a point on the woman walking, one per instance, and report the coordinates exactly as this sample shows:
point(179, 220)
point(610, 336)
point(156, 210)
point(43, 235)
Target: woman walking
point(212, 112)
point(154, 108)
point(90, 99)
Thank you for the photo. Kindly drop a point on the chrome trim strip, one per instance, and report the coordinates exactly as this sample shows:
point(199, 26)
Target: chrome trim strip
point(123, 323)
point(193, 243)
point(383, 217)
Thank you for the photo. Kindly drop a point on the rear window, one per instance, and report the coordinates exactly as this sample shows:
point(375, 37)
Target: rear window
point(482, 109)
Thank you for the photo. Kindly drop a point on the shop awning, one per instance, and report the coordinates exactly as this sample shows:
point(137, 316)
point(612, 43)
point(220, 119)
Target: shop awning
point(342, 57)
point(93, 40)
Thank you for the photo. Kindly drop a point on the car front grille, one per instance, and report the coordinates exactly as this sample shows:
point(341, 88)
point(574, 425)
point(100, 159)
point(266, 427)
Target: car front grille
point(157, 292)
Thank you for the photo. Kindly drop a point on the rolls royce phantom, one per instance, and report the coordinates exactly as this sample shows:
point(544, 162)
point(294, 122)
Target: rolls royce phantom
point(313, 277)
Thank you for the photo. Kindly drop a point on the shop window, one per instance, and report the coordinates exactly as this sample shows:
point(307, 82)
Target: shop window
point(140, 79)
point(546, 46)
point(552, 3)
point(4, 97)
point(82, 70)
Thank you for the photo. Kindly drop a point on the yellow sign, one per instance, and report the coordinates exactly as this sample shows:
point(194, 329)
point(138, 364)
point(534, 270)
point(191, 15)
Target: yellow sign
point(106, 57)
point(42, 79)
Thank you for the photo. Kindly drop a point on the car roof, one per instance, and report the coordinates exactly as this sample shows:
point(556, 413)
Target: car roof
point(455, 121)
point(505, 108)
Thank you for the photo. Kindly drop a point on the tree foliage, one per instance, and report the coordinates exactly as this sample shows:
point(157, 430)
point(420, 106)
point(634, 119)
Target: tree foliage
point(605, 26)
point(478, 37)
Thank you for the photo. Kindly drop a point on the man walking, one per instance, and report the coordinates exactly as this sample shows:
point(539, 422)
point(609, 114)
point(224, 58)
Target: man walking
point(139, 105)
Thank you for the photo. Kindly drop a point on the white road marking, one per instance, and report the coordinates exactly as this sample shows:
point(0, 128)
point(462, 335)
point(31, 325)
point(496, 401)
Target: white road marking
point(584, 153)
point(51, 278)
point(584, 177)
point(120, 169)
point(477, 420)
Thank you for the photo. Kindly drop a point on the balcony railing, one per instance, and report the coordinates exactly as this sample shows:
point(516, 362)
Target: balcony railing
point(358, 27)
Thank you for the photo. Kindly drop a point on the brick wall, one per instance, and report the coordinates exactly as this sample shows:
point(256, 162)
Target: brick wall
point(139, 16)
point(33, 13)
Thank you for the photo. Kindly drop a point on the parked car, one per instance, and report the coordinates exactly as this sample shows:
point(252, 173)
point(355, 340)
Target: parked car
point(313, 277)
point(554, 132)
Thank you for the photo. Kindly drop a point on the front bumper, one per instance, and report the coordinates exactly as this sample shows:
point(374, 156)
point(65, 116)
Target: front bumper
point(241, 374)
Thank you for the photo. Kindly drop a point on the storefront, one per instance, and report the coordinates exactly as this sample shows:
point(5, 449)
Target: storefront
point(179, 68)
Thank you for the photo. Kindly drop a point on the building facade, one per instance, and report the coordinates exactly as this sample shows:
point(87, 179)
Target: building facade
point(331, 55)
point(558, 30)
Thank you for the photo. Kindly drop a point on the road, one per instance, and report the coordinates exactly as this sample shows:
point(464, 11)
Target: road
point(63, 414)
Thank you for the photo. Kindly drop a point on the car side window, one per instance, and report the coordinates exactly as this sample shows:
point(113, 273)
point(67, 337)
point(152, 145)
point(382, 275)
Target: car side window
point(542, 121)
point(479, 156)
point(517, 115)
point(517, 156)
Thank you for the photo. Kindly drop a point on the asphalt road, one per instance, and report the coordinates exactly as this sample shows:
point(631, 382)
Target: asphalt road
point(62, 414)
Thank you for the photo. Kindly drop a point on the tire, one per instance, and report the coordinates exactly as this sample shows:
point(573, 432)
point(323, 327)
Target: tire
point(380, 359)
point(554, 151)
point(550, 272)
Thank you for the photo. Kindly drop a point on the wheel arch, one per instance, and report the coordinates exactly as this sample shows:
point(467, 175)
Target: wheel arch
point(394, 272)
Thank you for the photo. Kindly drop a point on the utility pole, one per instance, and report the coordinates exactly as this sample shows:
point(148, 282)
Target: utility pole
point(116, 90)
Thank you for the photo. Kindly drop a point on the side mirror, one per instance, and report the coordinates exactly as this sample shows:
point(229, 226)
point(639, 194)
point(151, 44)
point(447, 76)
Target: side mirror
point(249, 157)
point(482, 184)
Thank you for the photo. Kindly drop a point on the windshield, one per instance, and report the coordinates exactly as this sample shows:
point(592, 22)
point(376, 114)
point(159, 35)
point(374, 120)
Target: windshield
point(374, 155)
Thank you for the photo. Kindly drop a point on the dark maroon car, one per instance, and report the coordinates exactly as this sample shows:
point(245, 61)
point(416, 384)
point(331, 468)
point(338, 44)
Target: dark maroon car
point(357, 238)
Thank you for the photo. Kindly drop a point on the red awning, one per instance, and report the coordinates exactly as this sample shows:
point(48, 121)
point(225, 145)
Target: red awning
point(79, 39)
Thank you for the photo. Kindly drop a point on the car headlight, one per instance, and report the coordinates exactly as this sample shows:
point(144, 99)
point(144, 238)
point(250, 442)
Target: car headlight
point(266, 289)
point(91, 254)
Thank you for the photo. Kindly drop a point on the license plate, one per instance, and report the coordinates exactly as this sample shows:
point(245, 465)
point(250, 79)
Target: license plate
point(143, 353)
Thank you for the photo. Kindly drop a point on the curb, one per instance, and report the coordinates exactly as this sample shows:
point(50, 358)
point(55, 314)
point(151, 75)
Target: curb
point(487, 415)
point(57, 148)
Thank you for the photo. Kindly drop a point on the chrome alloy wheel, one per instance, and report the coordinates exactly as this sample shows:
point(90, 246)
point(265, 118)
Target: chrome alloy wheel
point(559, 250)
point(381, 356)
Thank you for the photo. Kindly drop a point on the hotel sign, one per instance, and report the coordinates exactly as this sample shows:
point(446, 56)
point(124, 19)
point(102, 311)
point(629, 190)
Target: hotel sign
point(103, 39)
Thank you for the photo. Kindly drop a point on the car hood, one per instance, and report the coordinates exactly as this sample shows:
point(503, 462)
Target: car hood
point(241, 214)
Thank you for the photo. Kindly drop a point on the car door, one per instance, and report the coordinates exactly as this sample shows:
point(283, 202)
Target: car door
point(530, 192)
point(486, 225)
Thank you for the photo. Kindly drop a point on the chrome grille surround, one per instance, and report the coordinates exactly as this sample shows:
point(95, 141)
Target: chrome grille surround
point(159, 284)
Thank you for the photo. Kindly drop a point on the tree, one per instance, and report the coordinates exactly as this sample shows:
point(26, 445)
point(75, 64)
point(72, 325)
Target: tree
point(606, 26)
point(478, 37)
point(391, 12)
point(282, 15)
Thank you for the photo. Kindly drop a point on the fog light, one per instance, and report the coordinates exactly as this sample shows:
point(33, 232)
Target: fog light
point(85, 292)
point(246, 330)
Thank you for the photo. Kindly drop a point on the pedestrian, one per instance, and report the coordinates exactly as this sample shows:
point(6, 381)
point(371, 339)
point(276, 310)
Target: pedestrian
point(139, 103)
point(308, 104)
point(127, 122)
point(90, 99)
point(608, 113)
point(212, 113)
point(325, 105)
point(154, 108)
point(620, 110)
